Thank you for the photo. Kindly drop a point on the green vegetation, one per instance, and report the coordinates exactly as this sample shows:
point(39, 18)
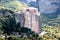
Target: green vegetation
point(8, 25)
point(13, 5)
point(51, 24)
point(52, 19)
point(53, 33)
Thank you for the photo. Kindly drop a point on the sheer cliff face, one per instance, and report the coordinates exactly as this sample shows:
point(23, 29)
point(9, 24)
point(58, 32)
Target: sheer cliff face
point(31, 19)
point(19, 17)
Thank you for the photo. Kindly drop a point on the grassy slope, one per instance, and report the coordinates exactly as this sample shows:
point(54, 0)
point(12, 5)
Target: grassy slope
point(14, 5)
point(52, 20)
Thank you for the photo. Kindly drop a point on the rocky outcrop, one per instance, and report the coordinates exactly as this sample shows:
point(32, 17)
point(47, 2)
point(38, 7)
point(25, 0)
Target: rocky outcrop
point(19, 17)
point(6, 12)
point(30, 18)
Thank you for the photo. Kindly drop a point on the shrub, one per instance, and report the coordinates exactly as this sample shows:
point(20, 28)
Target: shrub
point(1, 38)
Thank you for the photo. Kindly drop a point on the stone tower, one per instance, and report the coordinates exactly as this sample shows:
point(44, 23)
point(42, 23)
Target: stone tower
point(30, 18)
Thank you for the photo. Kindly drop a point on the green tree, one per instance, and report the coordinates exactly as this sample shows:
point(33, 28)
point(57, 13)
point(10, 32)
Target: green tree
point(8, 24)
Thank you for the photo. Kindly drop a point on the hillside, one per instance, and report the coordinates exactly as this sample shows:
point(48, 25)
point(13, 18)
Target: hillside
point(50, 21)
point(14, 5)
